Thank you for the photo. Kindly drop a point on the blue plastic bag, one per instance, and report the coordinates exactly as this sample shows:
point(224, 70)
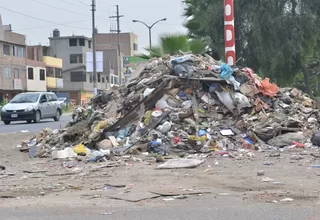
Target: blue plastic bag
point(226, 71)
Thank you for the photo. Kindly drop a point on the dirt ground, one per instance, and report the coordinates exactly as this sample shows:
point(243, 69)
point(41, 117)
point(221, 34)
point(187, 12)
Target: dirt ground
point(27, 182)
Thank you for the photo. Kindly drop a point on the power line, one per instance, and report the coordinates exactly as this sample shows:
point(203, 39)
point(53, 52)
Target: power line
point(62, 9)
point(45, 26)
point(71, 3)
point(40, 19)
point(83, 3)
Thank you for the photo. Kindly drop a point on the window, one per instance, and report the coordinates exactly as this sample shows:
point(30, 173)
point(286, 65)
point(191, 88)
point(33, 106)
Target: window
point(16, 73)
point(49, 71)
point(58, 73)
point(114, 79)
point(73, 42)
point(6, 50)
point(21, 52)
point(7, 72)
point(82, 42)
point(30, 73)
point(52, 97)
point(76, 58)
point(15, 51)
point(90, 77)
point(42, 75)
point(44, 98)
point(103, 79)
point(99, 77)
point(78, 77)
point(89, 42)
point(135, 47)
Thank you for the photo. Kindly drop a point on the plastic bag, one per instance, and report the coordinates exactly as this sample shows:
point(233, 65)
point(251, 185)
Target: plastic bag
point(165, 127)
point(80, 149)
point(242, 100)
point(148, 91)
point(226, 71)
point(162, 103)
point(186, 104)
point(268, 89)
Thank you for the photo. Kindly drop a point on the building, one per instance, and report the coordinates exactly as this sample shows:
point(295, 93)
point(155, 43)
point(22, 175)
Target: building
point(36, 70)
point(113, 60)
point(40, 56)
point(77, 83)
point(128, 42)
point(12, 62)
point(53, 69)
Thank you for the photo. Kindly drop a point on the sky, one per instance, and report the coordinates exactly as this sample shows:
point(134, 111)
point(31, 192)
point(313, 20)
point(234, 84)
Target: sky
point(73, 17)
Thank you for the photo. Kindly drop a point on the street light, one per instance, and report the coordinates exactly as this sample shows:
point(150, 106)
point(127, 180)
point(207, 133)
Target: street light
point(149, 27)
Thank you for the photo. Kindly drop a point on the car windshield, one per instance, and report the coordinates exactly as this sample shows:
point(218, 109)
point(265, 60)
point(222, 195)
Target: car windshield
point(61, 99)
point(25, 98)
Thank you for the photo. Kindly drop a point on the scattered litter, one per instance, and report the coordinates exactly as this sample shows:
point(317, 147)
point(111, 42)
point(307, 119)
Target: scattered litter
point(287, 200)
point(266, 179)
point(106, 213)
point(180, 163)
point(168, 199)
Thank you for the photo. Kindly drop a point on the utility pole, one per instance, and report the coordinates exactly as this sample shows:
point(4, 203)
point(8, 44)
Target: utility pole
point(95, 90)
point(118, 16)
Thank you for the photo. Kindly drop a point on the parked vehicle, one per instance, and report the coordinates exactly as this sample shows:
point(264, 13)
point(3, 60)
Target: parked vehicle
point(31, 106)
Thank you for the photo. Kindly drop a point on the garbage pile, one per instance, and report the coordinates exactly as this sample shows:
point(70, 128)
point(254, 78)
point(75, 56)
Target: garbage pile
point(183, 105)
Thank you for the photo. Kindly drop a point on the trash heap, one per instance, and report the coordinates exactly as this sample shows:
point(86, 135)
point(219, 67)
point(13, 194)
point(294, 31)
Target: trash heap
point(183, 105)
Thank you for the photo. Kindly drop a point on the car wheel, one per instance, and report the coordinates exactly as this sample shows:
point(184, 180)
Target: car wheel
point(37, 117)
point(57, 117)
point(6, 122)
point(29, 121)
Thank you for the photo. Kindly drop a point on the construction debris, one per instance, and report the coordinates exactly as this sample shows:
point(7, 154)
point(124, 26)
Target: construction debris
point(184, 105)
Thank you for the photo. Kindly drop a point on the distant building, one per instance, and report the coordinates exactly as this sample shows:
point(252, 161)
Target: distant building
point(108, 43)
point(12, 62)
point(53, 69)
point(40, 56)
point(77, 83)
point(36, 70)
point(128, 42)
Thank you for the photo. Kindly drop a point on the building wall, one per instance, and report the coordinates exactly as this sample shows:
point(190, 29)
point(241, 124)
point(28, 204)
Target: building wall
point(52, 61)
point(61, 49)
point(128, 42)
point(16, 67)
point(36, 84)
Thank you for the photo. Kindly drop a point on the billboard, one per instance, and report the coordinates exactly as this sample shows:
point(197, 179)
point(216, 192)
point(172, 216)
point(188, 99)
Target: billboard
point(132, 61)
point(99, 61)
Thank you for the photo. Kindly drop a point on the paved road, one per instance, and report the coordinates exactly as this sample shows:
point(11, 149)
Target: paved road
point(207, 208)
point(23, 126)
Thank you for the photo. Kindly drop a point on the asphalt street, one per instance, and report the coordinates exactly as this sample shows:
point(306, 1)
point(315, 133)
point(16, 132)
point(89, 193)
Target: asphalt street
point(22, 126)
point(207, 208)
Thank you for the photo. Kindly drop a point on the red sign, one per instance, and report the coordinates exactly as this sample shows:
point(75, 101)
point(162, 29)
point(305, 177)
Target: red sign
point(229, 36)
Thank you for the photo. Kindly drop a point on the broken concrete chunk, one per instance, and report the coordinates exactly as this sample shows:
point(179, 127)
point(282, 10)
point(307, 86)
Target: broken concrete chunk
point(105, 144)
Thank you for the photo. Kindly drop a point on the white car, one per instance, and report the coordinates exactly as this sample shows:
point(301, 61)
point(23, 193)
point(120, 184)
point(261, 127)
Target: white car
point(31, 106)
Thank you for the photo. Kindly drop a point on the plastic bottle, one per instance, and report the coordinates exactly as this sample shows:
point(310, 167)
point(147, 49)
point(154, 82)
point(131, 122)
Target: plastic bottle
point(182, 59)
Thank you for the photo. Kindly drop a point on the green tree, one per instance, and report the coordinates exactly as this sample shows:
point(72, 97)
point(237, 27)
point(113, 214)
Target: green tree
point(275, 37)
point(174, 43)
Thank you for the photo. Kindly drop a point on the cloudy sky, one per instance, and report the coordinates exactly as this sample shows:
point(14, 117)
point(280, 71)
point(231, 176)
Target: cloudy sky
point(74, 17)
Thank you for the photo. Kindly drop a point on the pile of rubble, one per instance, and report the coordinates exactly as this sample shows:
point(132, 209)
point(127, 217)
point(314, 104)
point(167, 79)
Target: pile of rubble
point(183, 105)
